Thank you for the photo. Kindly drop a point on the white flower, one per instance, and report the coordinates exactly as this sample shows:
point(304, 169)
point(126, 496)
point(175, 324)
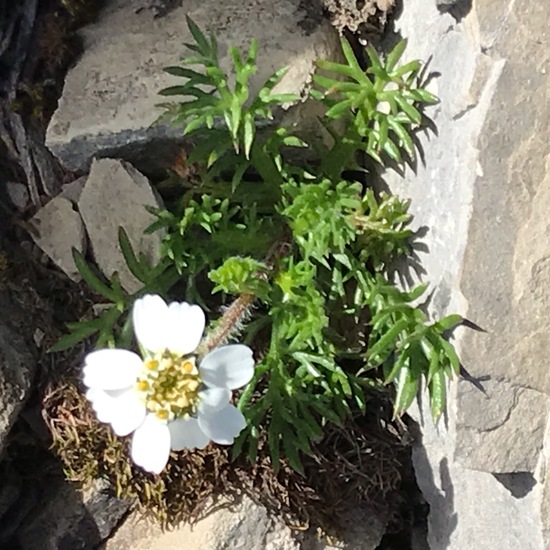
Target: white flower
point(166, 399)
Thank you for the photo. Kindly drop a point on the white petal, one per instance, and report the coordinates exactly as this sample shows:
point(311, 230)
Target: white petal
point(186, 434)
point(111, 369)
point(128, 414)
point(228, 367)
point(224, 425)
point(150, 318)
point(213, 399)
point(101, 403)
point(121, 408)
point(185, 327)
point(151, 445)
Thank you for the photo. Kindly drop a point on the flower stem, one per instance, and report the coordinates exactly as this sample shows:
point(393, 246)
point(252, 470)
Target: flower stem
point(230, 322)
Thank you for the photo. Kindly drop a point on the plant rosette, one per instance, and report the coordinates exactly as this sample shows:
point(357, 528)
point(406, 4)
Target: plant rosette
point(170, 399)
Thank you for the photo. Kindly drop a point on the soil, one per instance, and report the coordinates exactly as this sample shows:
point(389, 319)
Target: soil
point(51, 300)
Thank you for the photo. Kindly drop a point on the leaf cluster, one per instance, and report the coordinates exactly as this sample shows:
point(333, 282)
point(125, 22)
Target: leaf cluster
point(311, 244)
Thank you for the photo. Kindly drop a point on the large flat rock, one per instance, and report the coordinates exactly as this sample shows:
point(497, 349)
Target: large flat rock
point(110, 96)
point(484, 194)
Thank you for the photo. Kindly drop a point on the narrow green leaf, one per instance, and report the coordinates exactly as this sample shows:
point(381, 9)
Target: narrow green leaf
point(291, 453)
point(403, 361)
point(93, 280)
point(392, 150)
point(273, 440)
point(450, 352)
point(408, 109)
point(199, 37)
point(449, 322)
point(387, 339)
point(129, 256)
point(438, 393)
point(70, 340)
point(194, 76)
point(395, 55)
point(249, 129)
point(407, 388)
point(411, 67)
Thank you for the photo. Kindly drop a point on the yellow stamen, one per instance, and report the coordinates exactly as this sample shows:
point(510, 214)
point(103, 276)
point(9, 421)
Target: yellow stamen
point(169, 386)
point(151, 364)
point(187, 367)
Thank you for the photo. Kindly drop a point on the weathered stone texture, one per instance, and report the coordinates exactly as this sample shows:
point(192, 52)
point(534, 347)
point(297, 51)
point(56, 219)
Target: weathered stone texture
point(17, 363)
point(107, 107)
point(484, 194)
point(506, 261)
point(60, 229)
point(244, 526)
point(115, 195)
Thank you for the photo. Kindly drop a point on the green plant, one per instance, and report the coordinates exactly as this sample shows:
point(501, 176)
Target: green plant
point(297, 255)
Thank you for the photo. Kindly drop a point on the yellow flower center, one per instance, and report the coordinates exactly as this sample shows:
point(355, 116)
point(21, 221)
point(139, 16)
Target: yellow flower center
point(168, 385)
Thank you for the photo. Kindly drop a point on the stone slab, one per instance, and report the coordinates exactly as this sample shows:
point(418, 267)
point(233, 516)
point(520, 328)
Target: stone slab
point(60, 229)
point(107, 108)
point(483, 194)
point(116, 195)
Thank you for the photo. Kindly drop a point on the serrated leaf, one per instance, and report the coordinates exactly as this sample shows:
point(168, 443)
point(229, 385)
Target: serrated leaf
point(93, 280)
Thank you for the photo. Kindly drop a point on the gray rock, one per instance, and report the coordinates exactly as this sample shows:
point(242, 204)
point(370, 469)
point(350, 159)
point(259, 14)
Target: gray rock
point(116, 195)
point(67, 521)
point(72, 190)
point(107, 108)
point(484, 194)
point(245, 526)
point(17, 363)
point(60, 229)
point(18, 194)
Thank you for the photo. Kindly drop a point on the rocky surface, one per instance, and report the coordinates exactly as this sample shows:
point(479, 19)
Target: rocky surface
point(483, 193)
point(107, 108)
point(58, 245)
point(244, 526)
point(17, 365)
point(115, 195)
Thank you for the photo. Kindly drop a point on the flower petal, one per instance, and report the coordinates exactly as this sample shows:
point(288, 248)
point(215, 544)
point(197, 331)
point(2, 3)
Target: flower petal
point(185, 327)
point(111, 369)
point(223, 425)
point(121, 408)
point(186, 434)
point(213, 399)
point(151, 445)
point(228, 367)
point(151, 322)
